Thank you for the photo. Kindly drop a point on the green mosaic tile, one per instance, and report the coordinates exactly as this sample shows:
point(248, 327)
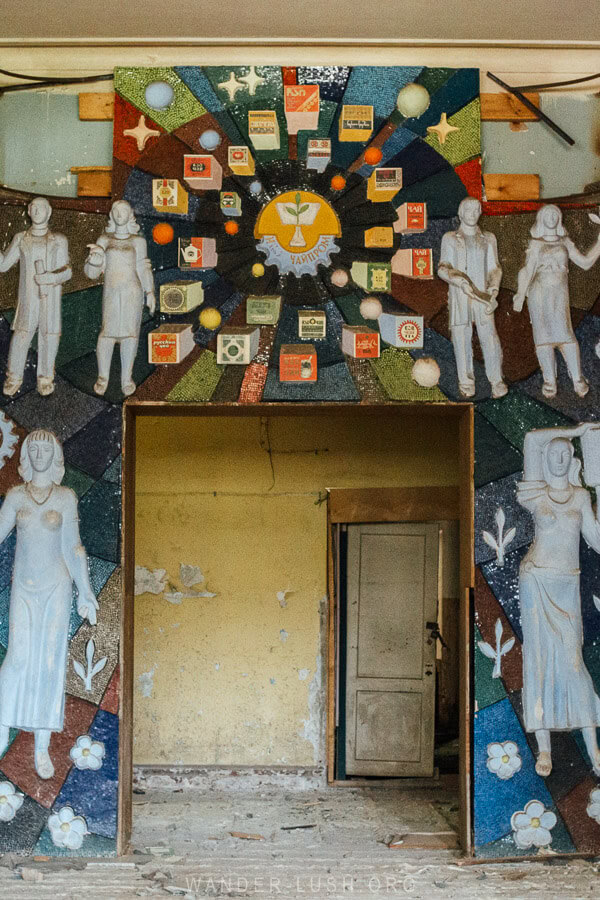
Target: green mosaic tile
point(77, 480)
point(517, 413)
point(488, 690)
point(268, 95)
point(199, 383)
point(131, 84)
point(434, 79)
point(393, 369)
point(464, 144)
point(81, 324)
point(349, 306)
point(327, 113)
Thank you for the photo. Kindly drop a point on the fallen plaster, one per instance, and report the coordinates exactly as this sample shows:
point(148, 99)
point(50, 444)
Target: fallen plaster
point(149, 581)
point(146, 681)
point(283, 635)
point(281, 596)
point(313, 730)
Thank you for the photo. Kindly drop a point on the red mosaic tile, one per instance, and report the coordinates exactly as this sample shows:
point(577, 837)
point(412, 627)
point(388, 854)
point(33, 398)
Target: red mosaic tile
point(584, 830)
point(253, 384)
point(110, 701)
point(190, 135)
point(126, 117)
point(470, 175)
point(18, 765)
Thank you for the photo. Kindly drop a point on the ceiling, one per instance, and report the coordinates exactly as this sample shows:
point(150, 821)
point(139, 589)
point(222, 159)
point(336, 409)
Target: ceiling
point(321, 20)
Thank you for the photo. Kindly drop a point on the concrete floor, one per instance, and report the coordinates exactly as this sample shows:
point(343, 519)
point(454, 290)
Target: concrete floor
point(183, 847)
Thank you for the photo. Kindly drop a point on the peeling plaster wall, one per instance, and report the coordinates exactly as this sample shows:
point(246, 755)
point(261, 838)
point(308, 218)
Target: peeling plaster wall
point(238, 678)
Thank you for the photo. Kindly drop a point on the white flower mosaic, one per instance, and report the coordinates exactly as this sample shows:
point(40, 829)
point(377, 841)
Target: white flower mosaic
point(10, 801)
point(87, 753)
point(532, 826)
point(66, 829)
point(593, 807)
point(503, 759)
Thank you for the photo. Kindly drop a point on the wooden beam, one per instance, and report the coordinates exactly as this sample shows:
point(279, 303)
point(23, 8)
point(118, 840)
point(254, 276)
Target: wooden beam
point(403, 504)
point(511, 187)
point(93, 181)
point(97, 106)
point(503, 107)
point(331, 655)
point(467, 577)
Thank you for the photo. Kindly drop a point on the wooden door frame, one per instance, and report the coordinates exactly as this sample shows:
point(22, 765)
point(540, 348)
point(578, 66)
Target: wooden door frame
point(458, 500)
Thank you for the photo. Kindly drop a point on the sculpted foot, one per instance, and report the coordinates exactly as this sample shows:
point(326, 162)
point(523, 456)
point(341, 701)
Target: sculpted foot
point(549, 389)
point(543, 765)
point(45, 386)
point(101, 385)
point(467, 389)
point(11, 385)
point(128, 388)
point(43, 765)
point(581, 387)
point(499, 389)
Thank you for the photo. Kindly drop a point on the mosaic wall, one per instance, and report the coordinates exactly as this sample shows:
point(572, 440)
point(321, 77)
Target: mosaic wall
point(293, 234)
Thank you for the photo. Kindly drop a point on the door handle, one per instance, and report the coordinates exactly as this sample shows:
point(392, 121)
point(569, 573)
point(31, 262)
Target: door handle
point(435, 633)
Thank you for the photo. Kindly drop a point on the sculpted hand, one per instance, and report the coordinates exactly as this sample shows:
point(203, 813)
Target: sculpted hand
point(96, 255)
point(151, 302)
point(45, 278)
point(518, 302)
point(87, 606)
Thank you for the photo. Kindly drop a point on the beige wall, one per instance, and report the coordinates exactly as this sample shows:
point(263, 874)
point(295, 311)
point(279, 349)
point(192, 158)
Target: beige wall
point(236, 678)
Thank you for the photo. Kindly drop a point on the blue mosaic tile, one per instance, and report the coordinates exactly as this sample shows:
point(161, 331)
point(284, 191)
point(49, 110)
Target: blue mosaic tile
point(379, 86)
point(332, 80)
point(195, 79)
point(505, 586)
point(434, 344)
point(456, 93)
point(400, 139)
point(64, 412)
point(138, 192)
point(419, 162)
point(488, 499)
point(100, 520)
point(93, 795)
point(496, 800)
point(328, 349)
point(505, 847)
point(203, 336)
point(93, 448)
point(77, 480)
point(442, 192)
point(334, 383)
point(517, 413)
point(579, 409)
point(113, 473)
point(93, 845)
point(83, 372)
point(494, 456)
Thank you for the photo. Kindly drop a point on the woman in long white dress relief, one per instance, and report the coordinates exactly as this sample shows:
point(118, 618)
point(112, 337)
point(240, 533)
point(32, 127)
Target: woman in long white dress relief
point(49, 558)
point(120, 254)
point(558, 692)
point(544, 282)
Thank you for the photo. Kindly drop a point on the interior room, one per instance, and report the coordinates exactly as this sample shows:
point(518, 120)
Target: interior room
point(243, 588)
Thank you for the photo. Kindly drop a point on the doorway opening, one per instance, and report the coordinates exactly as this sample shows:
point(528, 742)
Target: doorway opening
point(230, 672)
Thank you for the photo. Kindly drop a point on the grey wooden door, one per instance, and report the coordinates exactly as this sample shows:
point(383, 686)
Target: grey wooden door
point(392, 591)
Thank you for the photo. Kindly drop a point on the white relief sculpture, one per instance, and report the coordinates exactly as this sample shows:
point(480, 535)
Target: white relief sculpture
point(544, 283)
point(87, 753)
point(532, 826)
point(558, 692)
point(49, 558)
point(469, 265)
point(93, 668)
point(8, 439)
point(496, 653)
point(503, 759)
point(502, 540)
point(66, 829)
point(43, 258)
point(120, 254)
point(10, 801)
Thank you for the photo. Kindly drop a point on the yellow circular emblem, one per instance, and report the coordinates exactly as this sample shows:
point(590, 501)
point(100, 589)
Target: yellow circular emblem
point(297, 231)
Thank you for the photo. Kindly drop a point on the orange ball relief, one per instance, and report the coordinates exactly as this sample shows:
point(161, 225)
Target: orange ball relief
point(163, 233)
point(232, 227)
point(338, 182)
point(373, 155)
